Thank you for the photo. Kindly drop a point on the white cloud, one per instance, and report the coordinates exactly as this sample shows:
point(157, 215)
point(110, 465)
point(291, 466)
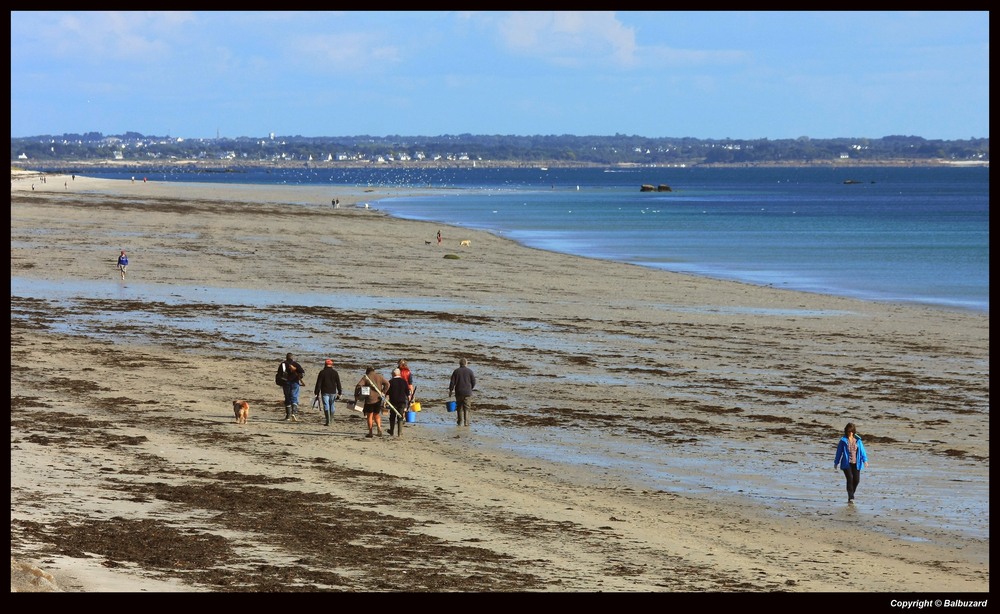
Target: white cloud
point(125, 36)
point(570, 38)
point(341, 52)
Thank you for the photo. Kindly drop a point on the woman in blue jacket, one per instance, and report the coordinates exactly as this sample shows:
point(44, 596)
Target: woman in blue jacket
point(122, 263)
point(851, 458)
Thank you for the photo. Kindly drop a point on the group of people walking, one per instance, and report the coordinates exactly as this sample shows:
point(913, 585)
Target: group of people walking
point(379, 394)
point(396, 395)
point(373, 391)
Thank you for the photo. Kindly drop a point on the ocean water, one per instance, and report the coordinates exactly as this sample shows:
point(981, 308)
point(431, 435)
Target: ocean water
point(911, 235)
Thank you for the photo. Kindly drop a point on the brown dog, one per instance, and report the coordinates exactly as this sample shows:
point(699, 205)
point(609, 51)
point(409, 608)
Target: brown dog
point(242, 411)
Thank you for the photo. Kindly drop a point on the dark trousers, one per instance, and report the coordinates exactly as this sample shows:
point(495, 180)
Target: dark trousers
point(464, 404)
point(853, 475)
point(396, 422)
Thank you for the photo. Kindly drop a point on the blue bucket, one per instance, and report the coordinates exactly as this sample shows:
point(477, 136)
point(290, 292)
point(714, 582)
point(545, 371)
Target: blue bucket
point(452, 405)
point(411, 416)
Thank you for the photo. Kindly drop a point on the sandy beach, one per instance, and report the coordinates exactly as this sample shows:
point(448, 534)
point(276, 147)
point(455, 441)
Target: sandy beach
point(633, 430)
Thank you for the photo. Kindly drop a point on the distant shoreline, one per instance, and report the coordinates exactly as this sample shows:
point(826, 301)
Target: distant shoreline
point(223, 165)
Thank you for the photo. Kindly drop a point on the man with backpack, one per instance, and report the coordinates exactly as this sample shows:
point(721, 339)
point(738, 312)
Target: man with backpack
point(290, 377)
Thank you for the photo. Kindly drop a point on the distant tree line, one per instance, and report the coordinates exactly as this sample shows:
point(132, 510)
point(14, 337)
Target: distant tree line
point(538, 149)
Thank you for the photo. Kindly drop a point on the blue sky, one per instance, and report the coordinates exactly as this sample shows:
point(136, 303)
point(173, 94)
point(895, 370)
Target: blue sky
point(709, 75)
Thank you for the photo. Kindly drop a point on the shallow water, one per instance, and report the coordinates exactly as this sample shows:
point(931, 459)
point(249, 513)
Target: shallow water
point(900, 501)
point(918, 235)
point(896, 497)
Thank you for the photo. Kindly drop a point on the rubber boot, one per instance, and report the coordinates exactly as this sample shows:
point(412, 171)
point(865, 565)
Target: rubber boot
point(288, 412)
point(295, 411)
point(326, 417)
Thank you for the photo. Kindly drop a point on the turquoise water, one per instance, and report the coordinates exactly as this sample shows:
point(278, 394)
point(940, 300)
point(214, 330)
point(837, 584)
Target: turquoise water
point(916, 235)
point(902, 238)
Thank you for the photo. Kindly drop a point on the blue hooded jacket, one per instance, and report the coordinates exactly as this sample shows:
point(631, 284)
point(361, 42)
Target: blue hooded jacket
point(843, 457)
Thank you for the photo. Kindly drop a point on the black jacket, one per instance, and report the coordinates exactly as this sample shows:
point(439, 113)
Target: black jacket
point(328, 382)
point(399, 393)
point(463, 382)
point(298, 376)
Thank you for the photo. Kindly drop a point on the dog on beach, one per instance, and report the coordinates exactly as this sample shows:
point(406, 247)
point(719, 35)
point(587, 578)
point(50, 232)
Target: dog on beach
point(466, 243)
point(241, 409)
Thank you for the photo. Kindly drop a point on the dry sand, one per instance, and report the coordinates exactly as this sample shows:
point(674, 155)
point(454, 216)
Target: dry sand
point(634, 430)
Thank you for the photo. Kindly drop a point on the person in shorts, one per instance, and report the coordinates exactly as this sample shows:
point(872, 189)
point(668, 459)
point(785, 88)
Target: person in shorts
point(377, 387)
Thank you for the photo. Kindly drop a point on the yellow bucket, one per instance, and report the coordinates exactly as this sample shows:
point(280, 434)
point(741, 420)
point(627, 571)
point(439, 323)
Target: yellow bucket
point(415, 406)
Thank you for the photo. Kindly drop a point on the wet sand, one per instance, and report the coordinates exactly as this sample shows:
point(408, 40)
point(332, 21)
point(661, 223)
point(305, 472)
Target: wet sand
point(634, 430)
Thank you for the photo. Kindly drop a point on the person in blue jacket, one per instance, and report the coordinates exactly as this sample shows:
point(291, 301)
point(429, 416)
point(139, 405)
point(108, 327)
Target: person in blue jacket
point(122, 263)
point(851, 458)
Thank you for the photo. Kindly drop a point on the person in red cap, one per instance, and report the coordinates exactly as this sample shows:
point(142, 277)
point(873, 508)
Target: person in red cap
point(328, 389)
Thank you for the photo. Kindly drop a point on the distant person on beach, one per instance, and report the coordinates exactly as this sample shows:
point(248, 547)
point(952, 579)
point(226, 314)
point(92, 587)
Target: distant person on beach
point(439, 237)
point(851, 458)
point(463, 382)
point(293, 375)
point(122, 263)
point(328, 389)
point(376, 387)
point(399, 396)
